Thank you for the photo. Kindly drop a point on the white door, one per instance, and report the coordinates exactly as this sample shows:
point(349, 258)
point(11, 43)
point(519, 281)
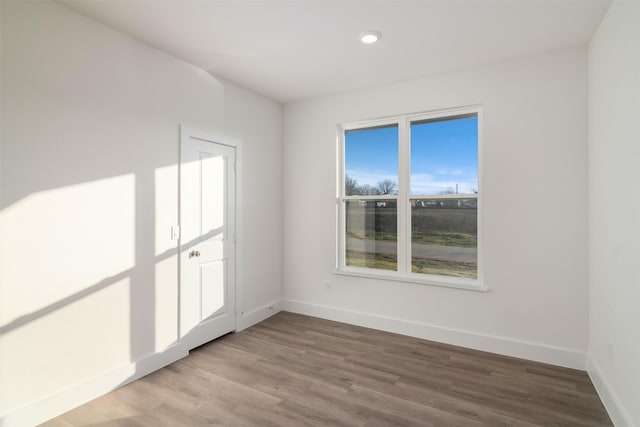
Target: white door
point(207, 238)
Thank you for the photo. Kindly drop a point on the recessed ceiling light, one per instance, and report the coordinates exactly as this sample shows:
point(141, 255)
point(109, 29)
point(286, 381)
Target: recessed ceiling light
point(370, 37)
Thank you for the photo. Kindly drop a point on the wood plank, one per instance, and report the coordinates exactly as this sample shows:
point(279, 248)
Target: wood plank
point(294, 370)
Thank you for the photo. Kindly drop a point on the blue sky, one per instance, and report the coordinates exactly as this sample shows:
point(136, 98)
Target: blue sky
point(443, 154)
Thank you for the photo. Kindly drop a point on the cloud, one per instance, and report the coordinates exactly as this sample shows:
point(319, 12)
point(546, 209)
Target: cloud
point(448, 171)
point(421, 183)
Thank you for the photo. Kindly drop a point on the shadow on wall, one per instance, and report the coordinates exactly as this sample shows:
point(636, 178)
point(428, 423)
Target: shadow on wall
point(124, 235)
point(108, 281)
point(90, 150)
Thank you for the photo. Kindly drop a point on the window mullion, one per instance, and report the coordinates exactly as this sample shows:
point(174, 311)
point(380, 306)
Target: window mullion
point(404, 219)
point(443, 218)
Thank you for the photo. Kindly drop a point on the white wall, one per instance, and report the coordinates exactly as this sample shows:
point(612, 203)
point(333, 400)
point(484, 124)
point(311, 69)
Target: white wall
point(257, 121)
point(90, 143)
point(614, 211)
point(534, 193)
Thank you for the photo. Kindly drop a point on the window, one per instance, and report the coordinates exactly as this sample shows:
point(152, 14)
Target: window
point(408, 199)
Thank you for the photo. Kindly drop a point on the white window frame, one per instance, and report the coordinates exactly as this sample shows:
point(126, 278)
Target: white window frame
point(404, 273)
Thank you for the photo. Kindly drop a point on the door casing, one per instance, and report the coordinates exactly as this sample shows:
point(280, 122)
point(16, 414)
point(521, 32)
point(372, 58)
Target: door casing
point(193, 337)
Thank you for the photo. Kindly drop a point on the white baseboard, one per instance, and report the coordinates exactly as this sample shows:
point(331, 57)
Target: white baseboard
point(76, 395)
point(492, 344)
point(60, 402)
point(617, 413)
point(248, 319)
point(67, 399)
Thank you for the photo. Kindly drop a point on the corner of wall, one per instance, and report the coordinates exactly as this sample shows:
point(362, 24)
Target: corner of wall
point(613, 68)
point(246, 320)
point(610, 400)
point(71, 397)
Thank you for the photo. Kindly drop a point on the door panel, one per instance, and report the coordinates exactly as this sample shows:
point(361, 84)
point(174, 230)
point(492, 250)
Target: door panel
point(213, 184)
point(212, 296)
point(207, 243)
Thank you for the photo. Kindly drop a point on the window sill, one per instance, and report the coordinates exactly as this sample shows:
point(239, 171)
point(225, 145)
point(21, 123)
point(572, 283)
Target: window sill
point(447, 282)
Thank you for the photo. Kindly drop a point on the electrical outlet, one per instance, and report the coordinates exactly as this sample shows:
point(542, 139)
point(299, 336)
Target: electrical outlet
point(327, 286)
point(175, 232)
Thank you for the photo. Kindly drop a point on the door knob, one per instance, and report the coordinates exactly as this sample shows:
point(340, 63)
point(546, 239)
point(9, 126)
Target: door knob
point(194, 253)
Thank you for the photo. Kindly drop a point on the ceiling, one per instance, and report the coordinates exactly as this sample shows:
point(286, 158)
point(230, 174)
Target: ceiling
point(291, 50)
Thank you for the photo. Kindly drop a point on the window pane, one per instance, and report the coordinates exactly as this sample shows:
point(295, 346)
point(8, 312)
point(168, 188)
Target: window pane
point(444, 237)
point(371, 234)
point(444, 155)
point(371, 161)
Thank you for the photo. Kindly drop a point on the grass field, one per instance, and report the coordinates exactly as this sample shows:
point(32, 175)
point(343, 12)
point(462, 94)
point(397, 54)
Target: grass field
point(436, 226)
point(418, 265)
point(445, 226)
point(369, 260)
point(444, 238)
point(444, 268)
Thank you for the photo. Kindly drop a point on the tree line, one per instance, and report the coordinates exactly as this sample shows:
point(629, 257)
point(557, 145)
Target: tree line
point(384, 187)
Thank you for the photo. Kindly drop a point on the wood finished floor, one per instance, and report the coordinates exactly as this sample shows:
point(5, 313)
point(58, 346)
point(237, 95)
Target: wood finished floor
point(294, 370)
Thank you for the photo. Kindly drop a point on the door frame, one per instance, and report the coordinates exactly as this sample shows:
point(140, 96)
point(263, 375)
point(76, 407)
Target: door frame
point(186, 134)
